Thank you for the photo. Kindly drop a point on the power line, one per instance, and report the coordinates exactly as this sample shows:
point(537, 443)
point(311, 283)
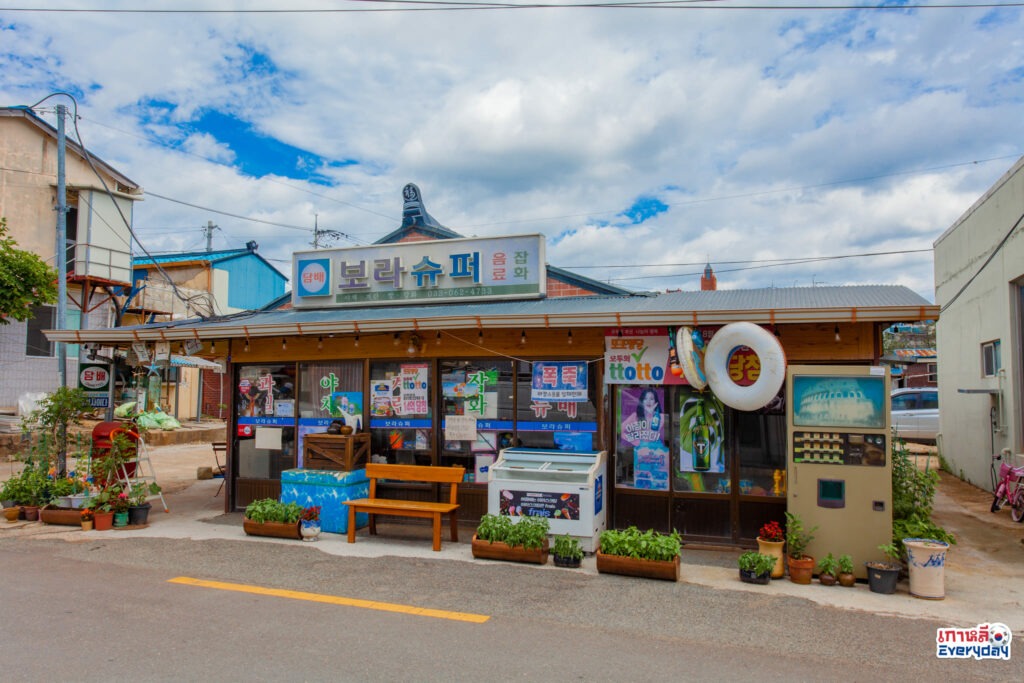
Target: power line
point(781, 261)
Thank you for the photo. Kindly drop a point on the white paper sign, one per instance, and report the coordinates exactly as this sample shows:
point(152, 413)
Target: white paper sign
point(269, 438)
point(192, 346)
point(459, 428)
point(141, 351)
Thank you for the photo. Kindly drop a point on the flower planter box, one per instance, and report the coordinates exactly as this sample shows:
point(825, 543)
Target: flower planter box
point(63, 516)
point(666, 570)
point(498, 550)
point(272, 529)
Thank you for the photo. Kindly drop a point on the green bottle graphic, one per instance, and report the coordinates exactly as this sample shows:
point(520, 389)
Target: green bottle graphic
point(701, 443)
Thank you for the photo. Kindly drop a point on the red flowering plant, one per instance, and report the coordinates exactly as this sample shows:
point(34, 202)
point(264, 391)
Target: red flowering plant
point(310, 514)
point(87, 515)
point(772, 532)
point(121, 502)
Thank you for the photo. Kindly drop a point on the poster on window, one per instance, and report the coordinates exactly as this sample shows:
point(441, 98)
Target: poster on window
point(559, 381)
point(701, 435)
point(412, 390)
point(641, 415)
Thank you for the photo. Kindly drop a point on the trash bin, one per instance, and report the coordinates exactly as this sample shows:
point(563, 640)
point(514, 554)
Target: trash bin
point(926, 558)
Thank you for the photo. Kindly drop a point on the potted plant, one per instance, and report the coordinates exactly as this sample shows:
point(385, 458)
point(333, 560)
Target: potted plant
point(309, 523)
point(567, 551)
point(828, 569)
point(138, 505)
point(646, 554)
point(883, 576)
point(801, 565)
point(756, 567)
point(771, 539)
point(270, 517)
point(86, 516)
point(846, 577)
point(119, 504)
point(103, 516)
point(497, 537)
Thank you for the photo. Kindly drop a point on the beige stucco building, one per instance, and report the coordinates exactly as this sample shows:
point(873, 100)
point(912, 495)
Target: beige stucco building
point(979, 287)
point(99, 201)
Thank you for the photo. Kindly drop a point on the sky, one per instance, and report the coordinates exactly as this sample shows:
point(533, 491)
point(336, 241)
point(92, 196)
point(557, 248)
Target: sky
point(786, 147)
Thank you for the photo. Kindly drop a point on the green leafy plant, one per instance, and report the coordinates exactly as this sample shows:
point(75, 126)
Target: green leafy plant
point(646, 545)
point(828, 565)
point(141, 490)
point(26, 281)
point(529, 532)
point(493, 528)
point(845, 564)
point(568, 548)
point(913, 496)
point(56, 412)
point(895, 555)
point(797, 537)
point(756, 563)
point(272, 510)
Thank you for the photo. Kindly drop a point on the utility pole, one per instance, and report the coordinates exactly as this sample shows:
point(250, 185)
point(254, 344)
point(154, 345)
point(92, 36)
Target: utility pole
point(209, 235)
point(316, 231)
point(62, 280)
point(62, 248)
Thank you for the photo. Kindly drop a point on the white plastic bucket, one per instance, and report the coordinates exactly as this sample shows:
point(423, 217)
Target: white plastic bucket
point(926, 558)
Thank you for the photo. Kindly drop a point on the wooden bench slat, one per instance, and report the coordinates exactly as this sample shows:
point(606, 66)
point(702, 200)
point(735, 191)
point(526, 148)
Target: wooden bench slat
point(387, 503)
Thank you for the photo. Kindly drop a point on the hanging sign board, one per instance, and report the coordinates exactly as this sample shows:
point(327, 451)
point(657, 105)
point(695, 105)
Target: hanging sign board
point(193, 346)
point(141, 351)
point(94, 380)
point(559, 381)
point(436, 271)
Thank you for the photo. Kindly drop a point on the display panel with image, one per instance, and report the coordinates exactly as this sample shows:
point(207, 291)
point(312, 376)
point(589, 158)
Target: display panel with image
point(839, 401)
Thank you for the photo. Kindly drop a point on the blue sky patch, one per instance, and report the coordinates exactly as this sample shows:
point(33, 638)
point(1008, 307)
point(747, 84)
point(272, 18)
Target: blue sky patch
point(644, 208)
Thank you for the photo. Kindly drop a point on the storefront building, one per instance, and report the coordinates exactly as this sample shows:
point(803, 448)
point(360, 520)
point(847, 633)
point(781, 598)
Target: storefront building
point(395, 338)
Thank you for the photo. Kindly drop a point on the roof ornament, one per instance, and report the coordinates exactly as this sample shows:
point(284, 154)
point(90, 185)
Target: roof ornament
point(413, 211)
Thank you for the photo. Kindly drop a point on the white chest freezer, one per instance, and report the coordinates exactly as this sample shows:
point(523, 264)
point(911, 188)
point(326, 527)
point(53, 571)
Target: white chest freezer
point(567, 488)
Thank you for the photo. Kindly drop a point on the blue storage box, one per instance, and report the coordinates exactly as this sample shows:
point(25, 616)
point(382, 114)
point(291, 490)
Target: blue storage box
point(329, 489)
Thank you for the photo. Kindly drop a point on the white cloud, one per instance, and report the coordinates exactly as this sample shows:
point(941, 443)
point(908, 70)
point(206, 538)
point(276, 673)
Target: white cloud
point(768, 134)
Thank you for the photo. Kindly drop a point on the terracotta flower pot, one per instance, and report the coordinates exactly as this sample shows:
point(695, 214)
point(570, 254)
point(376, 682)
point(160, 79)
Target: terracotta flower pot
point(667, 570)
point(103, 521)
point(12, 514)
point(86, 525)
point(847, 580)
point(801, 571)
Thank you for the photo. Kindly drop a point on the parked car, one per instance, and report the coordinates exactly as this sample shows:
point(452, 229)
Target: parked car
point(915, 414)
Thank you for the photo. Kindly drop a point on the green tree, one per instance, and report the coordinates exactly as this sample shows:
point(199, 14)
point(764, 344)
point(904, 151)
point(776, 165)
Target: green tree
point(25, 280)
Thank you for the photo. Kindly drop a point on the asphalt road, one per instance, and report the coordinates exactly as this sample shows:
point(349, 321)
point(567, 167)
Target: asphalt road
point(104, 609)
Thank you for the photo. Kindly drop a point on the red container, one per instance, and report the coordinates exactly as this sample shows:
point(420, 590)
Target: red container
point(103, 438)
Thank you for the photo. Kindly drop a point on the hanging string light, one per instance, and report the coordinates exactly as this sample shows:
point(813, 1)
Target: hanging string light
point(569, 341)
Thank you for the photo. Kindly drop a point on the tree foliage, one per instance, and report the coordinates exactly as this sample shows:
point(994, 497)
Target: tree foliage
point(25, 280)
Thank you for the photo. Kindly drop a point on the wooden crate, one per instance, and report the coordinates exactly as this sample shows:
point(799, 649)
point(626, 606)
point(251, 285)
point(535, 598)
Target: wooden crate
point(335, 451)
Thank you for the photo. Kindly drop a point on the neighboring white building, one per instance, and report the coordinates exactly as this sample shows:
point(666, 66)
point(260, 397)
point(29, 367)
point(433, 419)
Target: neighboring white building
point(979, 287)
point(98, 244)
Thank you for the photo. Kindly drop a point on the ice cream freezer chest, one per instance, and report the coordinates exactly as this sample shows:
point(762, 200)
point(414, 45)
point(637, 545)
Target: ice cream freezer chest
point(567, 488)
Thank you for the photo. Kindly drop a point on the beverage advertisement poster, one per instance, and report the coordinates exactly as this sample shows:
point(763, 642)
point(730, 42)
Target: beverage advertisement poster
point(641, 416)
point(701, 436)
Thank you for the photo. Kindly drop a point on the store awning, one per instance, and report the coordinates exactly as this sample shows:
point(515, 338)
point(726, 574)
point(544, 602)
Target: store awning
point(178, 360)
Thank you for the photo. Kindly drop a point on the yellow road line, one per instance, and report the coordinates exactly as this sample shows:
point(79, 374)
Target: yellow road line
point(333, 600)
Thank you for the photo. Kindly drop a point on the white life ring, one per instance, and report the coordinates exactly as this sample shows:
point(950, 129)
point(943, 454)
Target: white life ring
point(691, 358)
point(768, 350)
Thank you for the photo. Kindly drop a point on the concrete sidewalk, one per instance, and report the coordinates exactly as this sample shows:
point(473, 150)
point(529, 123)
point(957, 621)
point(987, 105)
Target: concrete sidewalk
point(983, 577)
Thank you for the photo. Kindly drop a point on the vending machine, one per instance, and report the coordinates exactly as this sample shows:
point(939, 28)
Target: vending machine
point(839, 459)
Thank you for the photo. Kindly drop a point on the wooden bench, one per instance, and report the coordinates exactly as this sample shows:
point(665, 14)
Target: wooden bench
point(408, 508)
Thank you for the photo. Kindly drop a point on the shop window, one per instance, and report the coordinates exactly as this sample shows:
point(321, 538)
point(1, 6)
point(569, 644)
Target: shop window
point(330, 392)
point(36, 343)
point(557, 405)
point(641, 438)
point(400, 412)
point(265, 430)
point(761, 440)
point(481, 392)
point(701, 459)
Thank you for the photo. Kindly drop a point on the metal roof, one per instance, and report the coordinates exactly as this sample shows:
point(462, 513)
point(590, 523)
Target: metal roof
point(880, 303)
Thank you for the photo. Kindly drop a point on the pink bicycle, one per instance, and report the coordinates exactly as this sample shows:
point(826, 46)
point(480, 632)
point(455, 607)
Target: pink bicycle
point(1009, 489)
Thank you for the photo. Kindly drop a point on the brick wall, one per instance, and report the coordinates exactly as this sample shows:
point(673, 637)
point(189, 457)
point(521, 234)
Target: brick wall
point(557, 288)
point(216, 390)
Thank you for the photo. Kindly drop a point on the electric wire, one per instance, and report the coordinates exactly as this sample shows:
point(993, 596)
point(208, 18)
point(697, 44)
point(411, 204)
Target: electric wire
point(991, 256)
